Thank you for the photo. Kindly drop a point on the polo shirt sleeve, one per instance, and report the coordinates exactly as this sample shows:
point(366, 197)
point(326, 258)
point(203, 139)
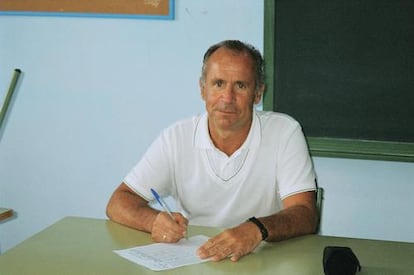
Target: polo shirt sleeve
point(295, 170)
point(152, 171)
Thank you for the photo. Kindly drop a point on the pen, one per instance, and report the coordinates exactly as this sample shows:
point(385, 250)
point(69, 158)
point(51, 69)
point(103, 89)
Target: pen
point(162, 203)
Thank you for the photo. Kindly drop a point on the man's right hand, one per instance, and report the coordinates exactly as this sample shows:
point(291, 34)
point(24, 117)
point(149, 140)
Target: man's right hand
point(167, 230)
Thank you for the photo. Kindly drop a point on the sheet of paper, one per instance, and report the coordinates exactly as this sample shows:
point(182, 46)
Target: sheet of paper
point(162, 256)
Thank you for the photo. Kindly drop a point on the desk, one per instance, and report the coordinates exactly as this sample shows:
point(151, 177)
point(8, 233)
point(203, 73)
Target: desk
point(84, 246)
point(5, 213)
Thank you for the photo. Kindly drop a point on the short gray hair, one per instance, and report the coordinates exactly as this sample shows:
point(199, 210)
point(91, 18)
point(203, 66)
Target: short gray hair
point(238, 46)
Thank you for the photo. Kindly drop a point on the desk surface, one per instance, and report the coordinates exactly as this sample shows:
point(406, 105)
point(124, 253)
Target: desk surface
point(84, 246)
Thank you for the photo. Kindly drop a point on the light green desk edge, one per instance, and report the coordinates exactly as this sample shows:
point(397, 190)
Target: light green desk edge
point(85, 246)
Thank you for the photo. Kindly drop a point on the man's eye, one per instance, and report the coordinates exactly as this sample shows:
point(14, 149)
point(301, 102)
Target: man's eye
point(219, 83)
point(241, 85)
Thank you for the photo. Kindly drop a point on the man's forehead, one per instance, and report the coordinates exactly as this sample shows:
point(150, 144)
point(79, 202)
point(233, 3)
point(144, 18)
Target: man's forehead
point(230, 62)
point(223, 52)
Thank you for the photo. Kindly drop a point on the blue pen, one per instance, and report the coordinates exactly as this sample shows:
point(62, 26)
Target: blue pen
point(162, 203)
point(164, 206)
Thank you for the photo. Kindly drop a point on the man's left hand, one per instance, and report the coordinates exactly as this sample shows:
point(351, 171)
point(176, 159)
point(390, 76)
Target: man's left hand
point(232, 243)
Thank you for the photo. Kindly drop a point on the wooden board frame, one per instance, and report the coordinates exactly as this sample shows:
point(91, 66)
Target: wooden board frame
point(144, 9)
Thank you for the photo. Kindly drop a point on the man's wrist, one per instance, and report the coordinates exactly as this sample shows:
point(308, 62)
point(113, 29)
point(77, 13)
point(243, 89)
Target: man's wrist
point(261, 227)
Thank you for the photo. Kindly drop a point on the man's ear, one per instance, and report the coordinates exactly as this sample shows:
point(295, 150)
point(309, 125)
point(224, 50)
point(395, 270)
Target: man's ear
point(200, 83)
point(258, 94)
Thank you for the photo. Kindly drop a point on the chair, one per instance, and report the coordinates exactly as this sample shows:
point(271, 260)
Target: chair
point(319, 203)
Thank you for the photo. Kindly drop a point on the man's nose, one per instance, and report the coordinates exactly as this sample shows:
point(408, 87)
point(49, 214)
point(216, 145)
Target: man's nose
point(228, 94)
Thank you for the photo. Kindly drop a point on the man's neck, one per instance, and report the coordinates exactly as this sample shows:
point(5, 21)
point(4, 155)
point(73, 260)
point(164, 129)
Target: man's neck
point(229, 141)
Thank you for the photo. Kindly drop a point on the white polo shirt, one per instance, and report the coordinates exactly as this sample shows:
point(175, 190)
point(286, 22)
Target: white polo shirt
point(213, 189)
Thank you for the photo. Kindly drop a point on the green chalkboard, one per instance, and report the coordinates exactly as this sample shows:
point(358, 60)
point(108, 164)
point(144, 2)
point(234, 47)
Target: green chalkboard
point(345, 70)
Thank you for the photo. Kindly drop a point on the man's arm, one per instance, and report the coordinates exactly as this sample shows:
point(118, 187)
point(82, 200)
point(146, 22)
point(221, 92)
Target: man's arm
point(128, 208)
point(299, 217)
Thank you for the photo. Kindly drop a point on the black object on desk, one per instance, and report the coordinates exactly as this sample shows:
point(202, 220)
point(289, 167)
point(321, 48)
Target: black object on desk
point(338, 260)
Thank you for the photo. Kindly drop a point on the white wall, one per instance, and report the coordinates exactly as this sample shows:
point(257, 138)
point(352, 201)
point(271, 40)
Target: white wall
point(367, 199)
point(95, 92)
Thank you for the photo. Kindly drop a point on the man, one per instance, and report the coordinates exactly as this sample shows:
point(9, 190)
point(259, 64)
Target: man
point(226, 167)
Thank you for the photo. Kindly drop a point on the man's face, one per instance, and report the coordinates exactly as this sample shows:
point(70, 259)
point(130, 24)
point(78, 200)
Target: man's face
point(229, 90)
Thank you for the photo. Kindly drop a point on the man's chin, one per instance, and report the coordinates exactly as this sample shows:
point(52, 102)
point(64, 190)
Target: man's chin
point(225, 122)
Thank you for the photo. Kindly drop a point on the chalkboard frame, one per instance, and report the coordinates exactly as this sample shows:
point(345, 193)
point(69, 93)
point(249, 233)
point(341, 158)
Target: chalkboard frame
point(327, 146)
